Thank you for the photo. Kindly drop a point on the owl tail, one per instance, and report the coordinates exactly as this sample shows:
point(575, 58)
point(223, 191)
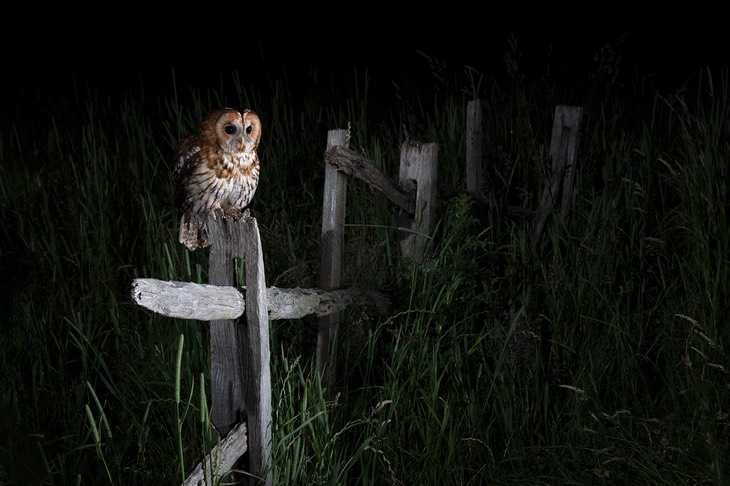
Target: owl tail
point(193, 232)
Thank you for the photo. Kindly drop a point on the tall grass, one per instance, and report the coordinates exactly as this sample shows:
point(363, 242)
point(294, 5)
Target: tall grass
point(595, 356)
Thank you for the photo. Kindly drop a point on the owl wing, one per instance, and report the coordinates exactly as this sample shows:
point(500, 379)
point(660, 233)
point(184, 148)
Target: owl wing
point(185, 159)
point(193, 227)
point(184, 151)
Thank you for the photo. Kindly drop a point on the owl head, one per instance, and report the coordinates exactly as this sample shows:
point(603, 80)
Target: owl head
point(232, 130)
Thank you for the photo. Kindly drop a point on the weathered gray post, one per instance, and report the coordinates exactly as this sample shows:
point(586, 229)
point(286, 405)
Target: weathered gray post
point(330, 275)
point(418, 165)
point(226, 336)
point(240, 369)
point(256, 356)
point(564, 156)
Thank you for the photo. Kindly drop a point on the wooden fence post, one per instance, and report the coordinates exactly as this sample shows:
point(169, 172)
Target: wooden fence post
point(474, 148)
point(239, 352)
point(564, 156)
point(418, 164)
point(256, 356)
point(226, 336)
point(330, 270)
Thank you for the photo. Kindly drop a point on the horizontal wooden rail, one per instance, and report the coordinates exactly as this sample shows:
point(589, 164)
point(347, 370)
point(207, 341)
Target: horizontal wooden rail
point(205, 302)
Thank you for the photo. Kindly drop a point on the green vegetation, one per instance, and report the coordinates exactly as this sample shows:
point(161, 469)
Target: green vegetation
point(595, 356)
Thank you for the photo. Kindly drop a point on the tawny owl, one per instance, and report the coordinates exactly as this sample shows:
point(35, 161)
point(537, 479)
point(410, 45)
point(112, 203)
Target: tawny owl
point(216, 171)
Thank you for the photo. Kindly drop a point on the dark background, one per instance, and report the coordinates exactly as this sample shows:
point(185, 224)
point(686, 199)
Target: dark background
point(54, 60)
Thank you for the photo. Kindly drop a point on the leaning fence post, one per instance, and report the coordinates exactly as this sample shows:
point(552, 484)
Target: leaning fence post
point(330, 270)
point(418, 164)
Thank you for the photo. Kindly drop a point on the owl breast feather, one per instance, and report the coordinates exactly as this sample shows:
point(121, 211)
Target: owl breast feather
point(234, 185)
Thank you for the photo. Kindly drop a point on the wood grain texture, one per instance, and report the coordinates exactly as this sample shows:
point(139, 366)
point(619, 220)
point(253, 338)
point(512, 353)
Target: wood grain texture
point(221, 459)
point(351, 163)
point(203, 302)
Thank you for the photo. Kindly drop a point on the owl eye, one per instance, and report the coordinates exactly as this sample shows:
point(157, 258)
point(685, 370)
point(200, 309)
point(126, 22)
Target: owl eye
point(230, 129)
point(249, 129)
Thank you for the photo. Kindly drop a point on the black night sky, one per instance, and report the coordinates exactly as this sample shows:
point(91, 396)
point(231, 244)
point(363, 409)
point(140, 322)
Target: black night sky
point(112, 59)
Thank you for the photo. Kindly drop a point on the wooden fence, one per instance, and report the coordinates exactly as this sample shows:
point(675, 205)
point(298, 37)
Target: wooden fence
point(239, 350)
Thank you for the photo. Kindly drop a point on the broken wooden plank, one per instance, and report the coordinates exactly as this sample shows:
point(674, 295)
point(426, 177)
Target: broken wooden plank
point(221, 459)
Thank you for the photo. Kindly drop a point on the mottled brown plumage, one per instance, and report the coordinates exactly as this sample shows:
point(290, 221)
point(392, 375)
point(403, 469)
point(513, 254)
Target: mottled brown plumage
point(216, 171)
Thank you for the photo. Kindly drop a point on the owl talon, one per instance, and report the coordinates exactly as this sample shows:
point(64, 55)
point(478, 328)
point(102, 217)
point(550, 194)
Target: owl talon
point(233, 213)
point(216, 212)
